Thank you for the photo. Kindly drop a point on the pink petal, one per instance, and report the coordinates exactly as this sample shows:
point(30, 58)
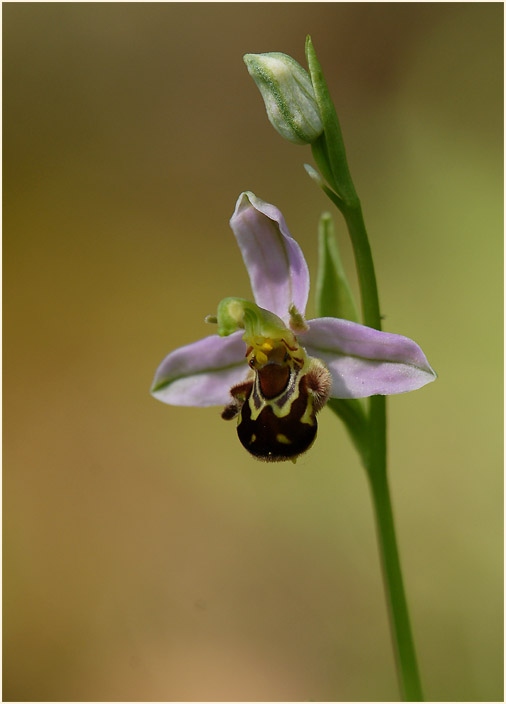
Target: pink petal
point(276, 266)
point(364, 361)
point(202, 373)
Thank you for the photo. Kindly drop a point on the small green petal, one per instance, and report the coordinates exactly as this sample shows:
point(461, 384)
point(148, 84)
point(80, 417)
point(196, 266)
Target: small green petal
point(333, 293)
point(238, 313)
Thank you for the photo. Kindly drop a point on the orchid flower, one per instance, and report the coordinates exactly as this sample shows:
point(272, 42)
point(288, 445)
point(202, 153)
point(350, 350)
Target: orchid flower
point(272, 369)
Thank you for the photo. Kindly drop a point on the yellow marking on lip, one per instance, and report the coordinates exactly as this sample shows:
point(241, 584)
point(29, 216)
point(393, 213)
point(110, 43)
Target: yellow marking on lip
point(308, 413)
point(283, 439)
point(261, 357)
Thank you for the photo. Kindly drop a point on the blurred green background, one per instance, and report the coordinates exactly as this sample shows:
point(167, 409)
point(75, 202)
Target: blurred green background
point(146, 555)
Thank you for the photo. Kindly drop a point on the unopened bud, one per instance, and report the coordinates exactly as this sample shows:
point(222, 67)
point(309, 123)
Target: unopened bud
point(288, 96)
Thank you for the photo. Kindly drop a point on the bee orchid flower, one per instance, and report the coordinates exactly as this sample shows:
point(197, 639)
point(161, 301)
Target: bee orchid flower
point(268, 366)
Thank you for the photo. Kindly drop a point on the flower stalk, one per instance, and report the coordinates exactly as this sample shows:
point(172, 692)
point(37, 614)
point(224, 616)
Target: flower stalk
point(330, 155)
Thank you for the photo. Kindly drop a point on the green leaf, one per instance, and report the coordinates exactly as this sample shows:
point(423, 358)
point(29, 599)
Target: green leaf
point(353, 414)
point(319, 149)
point(333, 293)
point(329, 152)
point(335, 299)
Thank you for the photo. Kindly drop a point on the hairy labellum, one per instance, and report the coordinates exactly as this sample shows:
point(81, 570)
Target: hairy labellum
point(277, 407)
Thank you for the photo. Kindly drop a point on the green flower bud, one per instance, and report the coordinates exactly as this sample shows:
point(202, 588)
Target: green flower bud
point(288, 96)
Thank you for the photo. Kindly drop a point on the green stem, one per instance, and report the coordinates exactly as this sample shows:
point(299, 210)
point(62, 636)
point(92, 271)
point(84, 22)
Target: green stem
point(403, 640)
point(377, 472)
point(364, 263)
point(376, 466)
point(330, 155)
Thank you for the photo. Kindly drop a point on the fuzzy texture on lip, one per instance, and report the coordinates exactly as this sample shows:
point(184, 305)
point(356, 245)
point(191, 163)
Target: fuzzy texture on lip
point(362, 361)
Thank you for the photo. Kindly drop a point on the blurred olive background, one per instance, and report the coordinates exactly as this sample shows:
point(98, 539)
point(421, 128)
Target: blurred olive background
point(146, 555)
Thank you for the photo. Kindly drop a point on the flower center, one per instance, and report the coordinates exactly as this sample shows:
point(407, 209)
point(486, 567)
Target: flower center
point(266, 351)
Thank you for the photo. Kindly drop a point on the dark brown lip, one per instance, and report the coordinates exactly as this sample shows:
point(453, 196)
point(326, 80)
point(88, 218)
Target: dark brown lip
point(273, 379)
